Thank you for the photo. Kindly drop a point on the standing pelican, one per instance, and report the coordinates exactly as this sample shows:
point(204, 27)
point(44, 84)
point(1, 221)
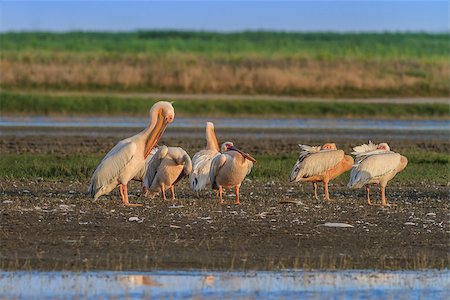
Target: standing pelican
point(168, 166)
point(375, 164)
point(201, 162)
point(229, 169)
point(320, 164)
point(126, 159)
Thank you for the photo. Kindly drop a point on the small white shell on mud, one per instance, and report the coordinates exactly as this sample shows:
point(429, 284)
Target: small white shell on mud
point(7, 202)
point(133, 219)
point(431, 215)
point(175, 226)
point(410, 223)
point(337, 225)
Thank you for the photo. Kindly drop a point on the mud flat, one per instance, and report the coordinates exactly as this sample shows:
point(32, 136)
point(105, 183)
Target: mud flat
point(51, 224)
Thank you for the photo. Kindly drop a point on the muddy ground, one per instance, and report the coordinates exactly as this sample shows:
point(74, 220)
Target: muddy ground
point(51, 225)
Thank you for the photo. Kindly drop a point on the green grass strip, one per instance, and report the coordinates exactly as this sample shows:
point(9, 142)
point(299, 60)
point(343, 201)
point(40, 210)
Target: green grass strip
point(37, 104)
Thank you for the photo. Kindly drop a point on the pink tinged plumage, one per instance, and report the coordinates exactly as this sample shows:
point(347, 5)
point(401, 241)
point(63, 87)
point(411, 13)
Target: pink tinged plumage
point(167, 167)
point(320, 164)
point(229, 169)
point(375, 164)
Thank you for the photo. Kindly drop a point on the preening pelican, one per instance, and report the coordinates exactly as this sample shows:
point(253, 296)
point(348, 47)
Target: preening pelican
point(229, 169)
point(127, 158)
point(201, 162)
point(375, 164)
point(320, 164)
point(168, 166)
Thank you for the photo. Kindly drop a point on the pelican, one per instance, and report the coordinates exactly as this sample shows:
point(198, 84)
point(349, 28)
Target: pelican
point(320, 164)
point(126, 159)
point(229, 169)
point(375, 164)
point(168, 166)
point(201, 162)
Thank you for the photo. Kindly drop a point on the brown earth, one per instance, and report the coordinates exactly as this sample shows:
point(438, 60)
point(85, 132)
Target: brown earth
point(51, 225)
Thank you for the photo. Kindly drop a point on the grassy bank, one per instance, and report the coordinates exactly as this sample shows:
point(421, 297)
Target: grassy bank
point(299, 64)
point(41, 104)
point(423, 168)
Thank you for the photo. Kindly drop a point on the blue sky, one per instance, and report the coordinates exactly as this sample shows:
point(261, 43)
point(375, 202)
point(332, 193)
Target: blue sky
point(360, 15)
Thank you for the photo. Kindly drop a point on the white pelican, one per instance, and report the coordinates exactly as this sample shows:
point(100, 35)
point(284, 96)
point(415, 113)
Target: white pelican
point(168, 166)
point(375, 164)
point(320, 164)
point(126, 159)
point(201, 162)
point(229, 169)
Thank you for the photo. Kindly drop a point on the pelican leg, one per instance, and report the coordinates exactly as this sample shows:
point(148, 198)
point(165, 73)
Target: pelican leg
point(172, 191)
point(325, 187)
point(220, 195)
point(383, 196)
point(368, 194)
point(236, 190)
point(315, 190)
point(163, 192)
point(124, 192)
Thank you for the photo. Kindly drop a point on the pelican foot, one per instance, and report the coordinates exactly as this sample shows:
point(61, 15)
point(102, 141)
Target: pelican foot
point(132, 204)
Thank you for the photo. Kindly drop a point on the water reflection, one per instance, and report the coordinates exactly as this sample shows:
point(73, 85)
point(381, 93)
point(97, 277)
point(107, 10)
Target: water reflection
point(430, 284)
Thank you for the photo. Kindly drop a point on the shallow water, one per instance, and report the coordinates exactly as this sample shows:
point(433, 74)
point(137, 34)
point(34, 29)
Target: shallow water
point(139, 122)
point(347, 284)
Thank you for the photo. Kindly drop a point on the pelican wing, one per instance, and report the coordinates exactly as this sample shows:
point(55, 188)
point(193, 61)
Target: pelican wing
point(372, 166)
point(181, 158)
point(141, 173)
point(316, 163)
point(249, 166)
point(153, 165)
point(216, 164)
point(201, 165)
point(111, 166)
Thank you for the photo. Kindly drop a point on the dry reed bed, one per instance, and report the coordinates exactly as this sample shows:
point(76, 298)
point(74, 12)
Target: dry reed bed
point(251, 75)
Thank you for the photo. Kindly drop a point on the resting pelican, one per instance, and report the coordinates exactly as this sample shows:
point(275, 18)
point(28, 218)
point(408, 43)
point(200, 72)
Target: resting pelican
point(168, 166)
point(320, 164)
point(126, 159)
point(375, 164)
point(229, 169)
point(201, 162)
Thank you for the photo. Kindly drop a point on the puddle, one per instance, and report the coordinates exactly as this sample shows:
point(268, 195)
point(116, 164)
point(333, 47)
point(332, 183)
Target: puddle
point(347, 284)
point(254, 123)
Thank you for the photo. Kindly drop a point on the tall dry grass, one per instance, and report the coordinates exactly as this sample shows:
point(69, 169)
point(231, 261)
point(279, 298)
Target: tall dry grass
point(252, 75)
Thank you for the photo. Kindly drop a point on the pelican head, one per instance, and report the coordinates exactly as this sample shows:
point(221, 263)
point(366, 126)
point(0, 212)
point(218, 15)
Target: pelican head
point(161, 115)
point(229, 146)
point(383, 146)
point(226, 146)
point(329, 146)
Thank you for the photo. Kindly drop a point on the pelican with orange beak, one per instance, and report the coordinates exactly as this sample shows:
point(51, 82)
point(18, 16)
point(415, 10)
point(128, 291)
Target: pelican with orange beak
point(126, 159)
point(229, 169)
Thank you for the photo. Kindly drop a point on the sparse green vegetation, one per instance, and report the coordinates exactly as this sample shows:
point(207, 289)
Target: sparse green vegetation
point(39, 104)
point(423, 167)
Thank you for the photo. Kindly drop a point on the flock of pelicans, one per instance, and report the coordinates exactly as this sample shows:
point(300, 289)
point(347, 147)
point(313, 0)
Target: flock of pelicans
point(161, 168)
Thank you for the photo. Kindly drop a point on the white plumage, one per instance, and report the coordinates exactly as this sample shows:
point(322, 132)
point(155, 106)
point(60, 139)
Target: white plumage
point(368, 168)
point(110, 169)
point(375, 164)
point(125, 161)
point(201, 162)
